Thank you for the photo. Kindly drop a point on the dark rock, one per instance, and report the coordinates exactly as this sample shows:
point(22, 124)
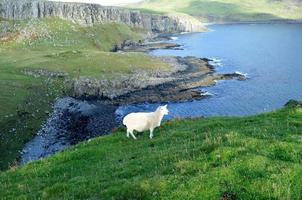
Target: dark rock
point(293, 103)
point(71, 122)
point(22, 113)
point(228, 196)
point(233, 76)
point(147, 47)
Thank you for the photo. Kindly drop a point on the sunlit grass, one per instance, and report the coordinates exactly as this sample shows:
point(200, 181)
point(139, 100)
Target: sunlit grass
point(229, 10)
point(255, 157)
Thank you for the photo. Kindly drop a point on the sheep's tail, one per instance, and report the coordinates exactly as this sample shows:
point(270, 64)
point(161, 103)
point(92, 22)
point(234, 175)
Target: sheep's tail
point(124, 121)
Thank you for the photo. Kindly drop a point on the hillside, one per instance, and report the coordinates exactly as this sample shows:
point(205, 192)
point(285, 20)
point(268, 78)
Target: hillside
point(229, 10)
point(63, 51)
point(256, 157)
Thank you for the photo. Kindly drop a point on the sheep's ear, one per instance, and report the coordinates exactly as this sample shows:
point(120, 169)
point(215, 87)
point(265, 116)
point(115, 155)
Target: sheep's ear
point(166, 105)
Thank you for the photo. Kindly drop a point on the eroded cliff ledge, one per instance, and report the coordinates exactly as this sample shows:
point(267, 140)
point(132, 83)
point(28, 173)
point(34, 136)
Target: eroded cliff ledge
point(88, 14)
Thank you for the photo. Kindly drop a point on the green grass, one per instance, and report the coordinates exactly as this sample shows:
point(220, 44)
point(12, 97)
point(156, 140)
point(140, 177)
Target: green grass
point(24, 103)
point(57, 34)
point(228, 10)
point(256, 157)
point(59, 46)
point(80, 62)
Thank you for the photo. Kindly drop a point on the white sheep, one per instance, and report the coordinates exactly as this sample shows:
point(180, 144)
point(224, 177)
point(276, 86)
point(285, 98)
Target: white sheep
point(144, 121)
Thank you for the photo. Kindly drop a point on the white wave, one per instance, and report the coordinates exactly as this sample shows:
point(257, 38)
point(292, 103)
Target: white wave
point(216, 59)
point(174, 38)
point(216, 62)
point(206, 93)
point(241, 73)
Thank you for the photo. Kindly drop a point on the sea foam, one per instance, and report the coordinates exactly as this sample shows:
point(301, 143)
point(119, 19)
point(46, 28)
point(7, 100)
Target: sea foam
point(206, 93)
point(216, 62)
point(241, 73)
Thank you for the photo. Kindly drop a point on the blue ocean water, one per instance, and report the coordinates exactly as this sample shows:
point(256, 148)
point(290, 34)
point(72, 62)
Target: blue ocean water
point(270, 55)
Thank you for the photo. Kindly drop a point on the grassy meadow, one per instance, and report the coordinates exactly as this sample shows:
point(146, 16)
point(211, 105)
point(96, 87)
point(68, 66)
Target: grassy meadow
point(228, 10)
point(56, 46)
point(257, 157)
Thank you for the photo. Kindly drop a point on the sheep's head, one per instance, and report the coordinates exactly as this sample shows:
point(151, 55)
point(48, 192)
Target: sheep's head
point(164, 110)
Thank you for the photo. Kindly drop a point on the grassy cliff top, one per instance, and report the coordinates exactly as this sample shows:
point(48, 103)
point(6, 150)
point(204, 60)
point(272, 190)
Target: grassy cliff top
point(229, 10)
point(256, 157)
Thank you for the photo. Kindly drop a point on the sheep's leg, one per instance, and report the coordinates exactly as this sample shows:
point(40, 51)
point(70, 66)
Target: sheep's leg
point(131, 132)
point(151, 133)
point(128, 133)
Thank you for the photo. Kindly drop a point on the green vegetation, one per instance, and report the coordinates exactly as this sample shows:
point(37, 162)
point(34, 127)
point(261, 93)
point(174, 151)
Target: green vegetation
point(56, 46)
point(257, 157)
point(52, 33)
point(24, 103)
point(229, 10)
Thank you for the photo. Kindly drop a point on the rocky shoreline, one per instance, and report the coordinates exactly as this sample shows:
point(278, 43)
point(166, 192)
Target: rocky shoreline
point(182, 83)
point(153, 43)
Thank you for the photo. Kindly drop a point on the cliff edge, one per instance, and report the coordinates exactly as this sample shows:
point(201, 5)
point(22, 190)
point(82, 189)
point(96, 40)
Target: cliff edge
point(89, 14)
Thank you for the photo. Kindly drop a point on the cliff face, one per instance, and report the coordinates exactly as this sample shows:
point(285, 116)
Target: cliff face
point(88, 14)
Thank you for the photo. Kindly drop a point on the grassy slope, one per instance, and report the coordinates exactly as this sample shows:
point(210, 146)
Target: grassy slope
point(61, 34)
point(256, 157)
point(228, 10)
point(55, 45)
point(24, 103)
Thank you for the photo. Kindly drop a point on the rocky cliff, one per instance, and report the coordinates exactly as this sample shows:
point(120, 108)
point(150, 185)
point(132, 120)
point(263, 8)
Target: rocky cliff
point(88, 14)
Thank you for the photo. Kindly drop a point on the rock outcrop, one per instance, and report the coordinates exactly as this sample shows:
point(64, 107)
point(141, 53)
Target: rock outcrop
point(88, 14)
point(182, 83)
